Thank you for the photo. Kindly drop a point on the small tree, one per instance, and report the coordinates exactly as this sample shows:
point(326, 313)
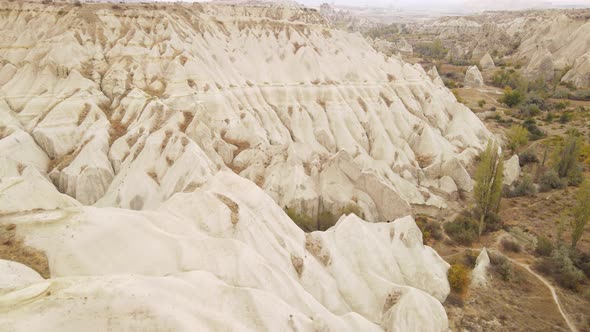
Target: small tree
point(581, 213)
point(566, 158)
point(488, 186)
point(517, 137)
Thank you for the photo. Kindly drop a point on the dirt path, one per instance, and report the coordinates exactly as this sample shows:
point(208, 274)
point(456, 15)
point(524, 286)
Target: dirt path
point(495, 249)
point(527, 267)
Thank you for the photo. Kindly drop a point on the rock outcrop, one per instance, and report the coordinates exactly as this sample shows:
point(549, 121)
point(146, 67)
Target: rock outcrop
point(579, 75)
point(150, 152)
point(479, 275)
point(522, 37)
point(401, 47)
point(511, 170)
point(473, 77)
point(435, 77)
point(224, 250)
point(541, 66)
point(487, 62)
point(125, 130)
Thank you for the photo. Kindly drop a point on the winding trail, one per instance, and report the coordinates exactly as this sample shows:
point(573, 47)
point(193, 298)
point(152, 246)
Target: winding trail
point(547, 284)
point(527, 267)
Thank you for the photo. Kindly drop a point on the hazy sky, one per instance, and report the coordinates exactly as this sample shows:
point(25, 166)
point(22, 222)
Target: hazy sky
point(445, 5)
point(426, 4)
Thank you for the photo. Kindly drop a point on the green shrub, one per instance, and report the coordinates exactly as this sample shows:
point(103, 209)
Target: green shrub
point(449, 83)
point(527, 157)
point(564, 271)
point(304, 222)
point(561, 267)
point(512, 97)
point(582, 262)
point(493, 222)
point(523, 187)
point(481, 103)
point(323, 221)
point(501, 265)
point(537, 99)
point(565, 117)
point(434, 50)
point(510, 245)
point(531, 110)
point(534, 132)
point(544, 246)
point(507, 78)
point(575, 176)
point(459, 278)
point(463, 230)
point(580, 95)
point(517, 136)
point(430, 229)
point(560, 106)
point(550, 180)
point(561, 93)
point(549, 117)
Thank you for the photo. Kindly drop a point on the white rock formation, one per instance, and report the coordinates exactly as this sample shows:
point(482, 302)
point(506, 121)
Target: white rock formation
point(579, 75)
point(14, 275)
point(225, 250)
point(401, 46)
point(186, 129)
point(541, 65)
point(151, 108)
point(435, 77)
point(473, 77)
point(479, 275)
point(511, 170)
point(521, 36)
point(487, 62)
point(404, 47)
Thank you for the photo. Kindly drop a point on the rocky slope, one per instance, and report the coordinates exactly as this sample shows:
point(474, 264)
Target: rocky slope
point(123, 128)
point(543, 40)
point(129, 108)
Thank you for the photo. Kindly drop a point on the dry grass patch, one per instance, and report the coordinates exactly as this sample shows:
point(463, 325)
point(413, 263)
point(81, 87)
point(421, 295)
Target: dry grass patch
point(316, 248)
point(232, 206)
point(152, 174)
point(297, 264)
point(13, 248)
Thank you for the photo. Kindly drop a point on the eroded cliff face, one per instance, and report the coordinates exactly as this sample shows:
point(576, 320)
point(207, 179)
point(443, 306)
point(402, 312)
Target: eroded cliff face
point(133, 105)
point(158, 109)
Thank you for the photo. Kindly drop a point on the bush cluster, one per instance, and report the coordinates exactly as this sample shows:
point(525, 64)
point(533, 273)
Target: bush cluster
point(561, 267)
point(534, 132)
point(527, 157)
point(463, 230)
point(522, 187)
point(550, 180)
point(431, 230)
point(544, 246)
point(501, 265)
point(512, 97)
point(459, 278)
point(510, 245)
